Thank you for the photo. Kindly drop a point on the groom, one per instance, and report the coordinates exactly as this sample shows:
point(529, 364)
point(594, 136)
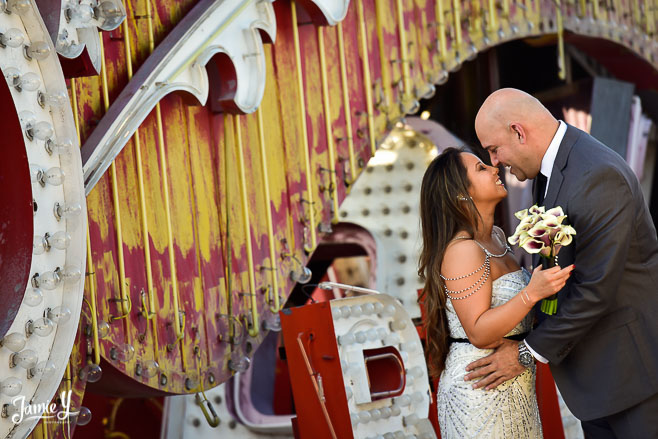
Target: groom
point(602, 344)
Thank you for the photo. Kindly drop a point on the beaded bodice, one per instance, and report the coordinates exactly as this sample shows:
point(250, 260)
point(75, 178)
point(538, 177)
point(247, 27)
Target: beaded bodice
point(502, 290)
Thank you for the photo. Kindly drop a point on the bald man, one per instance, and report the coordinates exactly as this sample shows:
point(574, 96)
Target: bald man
point(602, 344)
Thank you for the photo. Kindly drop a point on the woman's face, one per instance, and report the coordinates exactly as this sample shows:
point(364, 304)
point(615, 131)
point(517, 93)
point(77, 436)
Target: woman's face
point(485, 184)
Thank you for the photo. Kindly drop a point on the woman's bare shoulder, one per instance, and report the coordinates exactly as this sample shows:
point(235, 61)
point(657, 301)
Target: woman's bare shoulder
point(461, 257)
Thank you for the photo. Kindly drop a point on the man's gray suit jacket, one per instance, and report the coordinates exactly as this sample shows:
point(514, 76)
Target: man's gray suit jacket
point(602, 344)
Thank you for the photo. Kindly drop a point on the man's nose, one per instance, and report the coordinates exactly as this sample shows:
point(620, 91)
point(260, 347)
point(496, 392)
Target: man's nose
point(494, 160)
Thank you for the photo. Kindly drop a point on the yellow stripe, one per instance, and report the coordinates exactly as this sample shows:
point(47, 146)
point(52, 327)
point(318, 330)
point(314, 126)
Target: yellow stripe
point(268, 214)
point(328, 125)
point(367, 82)
point(346, 103)
point(310, 183)
point(254, 329)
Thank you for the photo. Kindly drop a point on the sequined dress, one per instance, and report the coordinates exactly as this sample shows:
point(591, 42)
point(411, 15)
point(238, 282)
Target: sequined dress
point(510, 410)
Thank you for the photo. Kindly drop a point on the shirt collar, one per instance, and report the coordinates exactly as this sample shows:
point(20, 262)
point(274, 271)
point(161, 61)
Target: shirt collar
point(551, 152)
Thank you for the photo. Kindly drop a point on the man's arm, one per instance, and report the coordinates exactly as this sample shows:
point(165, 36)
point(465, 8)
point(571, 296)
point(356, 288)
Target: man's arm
point(603, 215)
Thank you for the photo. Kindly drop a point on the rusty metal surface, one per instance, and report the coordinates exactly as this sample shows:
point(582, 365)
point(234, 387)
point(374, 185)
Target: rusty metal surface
point(220, 260)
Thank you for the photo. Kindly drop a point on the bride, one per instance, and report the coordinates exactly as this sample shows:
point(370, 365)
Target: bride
point(474, 295)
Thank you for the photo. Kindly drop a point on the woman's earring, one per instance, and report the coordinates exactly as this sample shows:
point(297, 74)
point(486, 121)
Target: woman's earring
point(462, 198)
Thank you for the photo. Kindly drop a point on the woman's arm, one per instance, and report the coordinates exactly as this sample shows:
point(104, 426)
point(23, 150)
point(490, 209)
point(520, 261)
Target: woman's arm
point(484, 325)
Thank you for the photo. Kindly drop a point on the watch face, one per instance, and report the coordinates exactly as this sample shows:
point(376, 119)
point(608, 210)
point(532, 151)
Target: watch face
point(525, 359)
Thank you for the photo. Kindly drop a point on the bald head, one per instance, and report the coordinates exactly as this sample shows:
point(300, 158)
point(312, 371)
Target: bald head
point(516, 129)
point(508, 105)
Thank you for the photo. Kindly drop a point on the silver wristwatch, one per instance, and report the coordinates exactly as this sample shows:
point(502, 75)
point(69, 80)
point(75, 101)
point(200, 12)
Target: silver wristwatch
point(525, 357)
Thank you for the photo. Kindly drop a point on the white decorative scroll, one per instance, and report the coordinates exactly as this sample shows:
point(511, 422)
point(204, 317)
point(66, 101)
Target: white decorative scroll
point(73, 25)
point(178, 64)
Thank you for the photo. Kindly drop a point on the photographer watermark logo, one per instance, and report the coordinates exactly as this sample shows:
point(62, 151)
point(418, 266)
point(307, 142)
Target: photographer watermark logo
point(20, 411)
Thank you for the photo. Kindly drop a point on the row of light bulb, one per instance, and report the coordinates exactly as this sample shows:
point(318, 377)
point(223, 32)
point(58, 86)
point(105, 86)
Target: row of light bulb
point(415, 399)
point(28, 358)
point(107, 13)
point(367, 309)
point(372, 334)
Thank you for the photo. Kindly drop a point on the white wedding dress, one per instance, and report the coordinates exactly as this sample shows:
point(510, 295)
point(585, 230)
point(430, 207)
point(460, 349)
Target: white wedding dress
point(510, 410)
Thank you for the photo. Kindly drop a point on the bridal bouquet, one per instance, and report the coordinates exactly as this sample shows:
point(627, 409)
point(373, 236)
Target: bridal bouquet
point(542, 232)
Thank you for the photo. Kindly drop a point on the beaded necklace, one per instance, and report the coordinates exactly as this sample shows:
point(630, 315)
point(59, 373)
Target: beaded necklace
point(452, 295)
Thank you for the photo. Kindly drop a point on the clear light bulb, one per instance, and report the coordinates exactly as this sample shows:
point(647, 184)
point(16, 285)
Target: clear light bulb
point(392, 339)
point(91, 373)
point(62, 147)
point(416, 372)
point(403, 401)
point(417, 397)
point(11, 75)
point(15, 341)
point(272, 323)
point(38, 50)
point(388, 311)
point(150, 368)
point(69, 49)
point(29, 82)
point(70, 274)
point(39, 245)
point(395, 410)
point(123, 353)
point(109, 14)
point(33, 296)
point(345, 311)
point(11, 386)
point(26, 117)
point(67, 210)
point(238, 362)
point(356, 311)
point(336, 313)
point(60, 240)
point(48, 280)
point(398, 325)
point(302, 275)
point(382, 333)
point(58, 99)
point(59, 314)
point(364, 417)
point(368, 308)
point(42, 327)
point(12, 38)
point(379, 307)
point(54, 176)
point(346, 340)
point(410, 420)
point(371, 334)
point(42, 369)
point(375, 414)
point(79, 14)
point(360, 337)
point(41, 130)
point(103, 328)
point(20, 7)
point(26, 359)
point(386, 412)
point(83, 416)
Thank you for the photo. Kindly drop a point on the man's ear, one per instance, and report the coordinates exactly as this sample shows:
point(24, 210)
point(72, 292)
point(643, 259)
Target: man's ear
point(518, 131)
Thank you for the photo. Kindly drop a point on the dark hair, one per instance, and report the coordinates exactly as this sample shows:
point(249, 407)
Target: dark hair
point(442, 215)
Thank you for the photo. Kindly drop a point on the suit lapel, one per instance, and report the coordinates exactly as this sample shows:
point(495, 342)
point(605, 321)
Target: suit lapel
point(557, 178)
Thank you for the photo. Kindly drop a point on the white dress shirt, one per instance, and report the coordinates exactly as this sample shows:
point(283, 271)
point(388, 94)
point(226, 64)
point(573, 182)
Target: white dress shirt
point(547, 169)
